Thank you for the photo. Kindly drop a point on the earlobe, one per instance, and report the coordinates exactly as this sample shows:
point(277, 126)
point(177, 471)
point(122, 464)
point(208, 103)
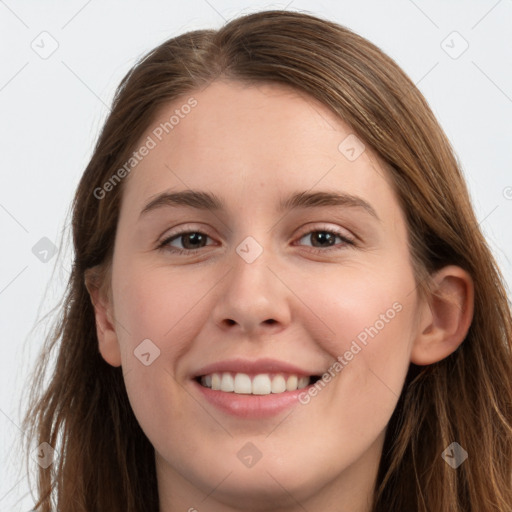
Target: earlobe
point(108, 344)
point(446, 317)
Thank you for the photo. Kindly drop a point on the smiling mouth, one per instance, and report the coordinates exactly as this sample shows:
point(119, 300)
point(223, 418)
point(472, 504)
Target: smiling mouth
point(257, 384)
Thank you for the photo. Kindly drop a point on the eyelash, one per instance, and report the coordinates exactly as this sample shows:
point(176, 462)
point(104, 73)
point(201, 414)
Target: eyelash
point(346, 241)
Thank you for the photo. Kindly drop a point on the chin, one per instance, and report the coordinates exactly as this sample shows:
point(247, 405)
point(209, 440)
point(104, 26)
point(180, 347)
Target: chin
point(267, 484)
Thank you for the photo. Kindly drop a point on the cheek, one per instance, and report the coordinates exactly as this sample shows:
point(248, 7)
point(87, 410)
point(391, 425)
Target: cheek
point(356, 304)
point(157, 305)
point(157, 311)
point(157, 325)
point(368, 330)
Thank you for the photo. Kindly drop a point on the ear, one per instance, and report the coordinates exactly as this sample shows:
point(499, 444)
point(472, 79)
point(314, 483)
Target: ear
point(95, 282)
point(445, 317)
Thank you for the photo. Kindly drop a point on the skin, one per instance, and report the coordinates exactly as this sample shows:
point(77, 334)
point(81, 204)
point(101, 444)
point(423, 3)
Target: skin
point(251, 146)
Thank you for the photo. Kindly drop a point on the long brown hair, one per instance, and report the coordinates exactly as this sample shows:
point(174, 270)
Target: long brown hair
point(106, 462)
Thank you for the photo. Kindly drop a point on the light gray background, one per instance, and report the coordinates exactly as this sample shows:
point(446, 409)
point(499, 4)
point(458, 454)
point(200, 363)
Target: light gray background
point(51, 110)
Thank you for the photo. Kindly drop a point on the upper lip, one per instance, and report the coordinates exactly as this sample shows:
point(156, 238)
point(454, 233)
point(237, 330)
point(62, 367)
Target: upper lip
point(264, 365)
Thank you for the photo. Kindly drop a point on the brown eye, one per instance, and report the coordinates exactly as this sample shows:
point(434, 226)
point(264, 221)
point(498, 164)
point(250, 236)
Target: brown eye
point(191, 242)
point(325, 239)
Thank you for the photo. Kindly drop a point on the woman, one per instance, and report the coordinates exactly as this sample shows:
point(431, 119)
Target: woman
point(339, 339)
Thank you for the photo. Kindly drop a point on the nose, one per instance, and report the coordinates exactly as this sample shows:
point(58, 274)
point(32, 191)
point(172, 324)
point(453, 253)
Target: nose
point(253, 298)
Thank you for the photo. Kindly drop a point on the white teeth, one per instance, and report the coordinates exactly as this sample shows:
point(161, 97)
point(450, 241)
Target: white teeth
point(227, 384)
point(278, 384)
point(243, 384)
point(216, 381)
point(291, 383)
point(261, 384)
point(303, 382)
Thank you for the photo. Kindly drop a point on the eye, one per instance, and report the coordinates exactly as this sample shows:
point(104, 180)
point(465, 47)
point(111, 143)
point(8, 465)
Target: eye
point(191, 241)
point(326, 240)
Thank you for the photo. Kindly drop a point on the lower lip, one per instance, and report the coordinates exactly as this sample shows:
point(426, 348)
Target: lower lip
point(251, 406)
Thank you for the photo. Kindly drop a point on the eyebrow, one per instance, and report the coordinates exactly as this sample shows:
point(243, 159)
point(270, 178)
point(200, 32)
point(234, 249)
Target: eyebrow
point(207, 201)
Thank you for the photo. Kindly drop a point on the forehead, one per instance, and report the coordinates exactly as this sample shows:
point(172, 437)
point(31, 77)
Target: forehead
point(239, 138)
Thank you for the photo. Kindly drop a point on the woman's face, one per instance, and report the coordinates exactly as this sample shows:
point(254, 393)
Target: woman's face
point(259, 293)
